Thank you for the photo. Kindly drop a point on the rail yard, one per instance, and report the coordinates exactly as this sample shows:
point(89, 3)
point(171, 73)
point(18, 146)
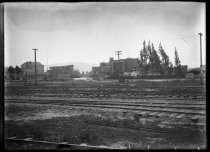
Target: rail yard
point(144, 114)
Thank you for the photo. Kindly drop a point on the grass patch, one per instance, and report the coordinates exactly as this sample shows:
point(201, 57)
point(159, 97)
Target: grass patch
point(15, 109)
point(75, 131)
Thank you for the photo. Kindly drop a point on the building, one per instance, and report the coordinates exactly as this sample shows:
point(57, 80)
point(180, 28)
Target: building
point(196, 72)
point(28, 69)
point(61, 72)
point(104, 69)
point(131, 64)
point(124, 65)
point(96, 72)
point(131, 74)
point(118, 68)
point(115, 68)
point(184, 69)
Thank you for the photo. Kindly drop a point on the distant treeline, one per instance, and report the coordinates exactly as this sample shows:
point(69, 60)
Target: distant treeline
point(13, 73)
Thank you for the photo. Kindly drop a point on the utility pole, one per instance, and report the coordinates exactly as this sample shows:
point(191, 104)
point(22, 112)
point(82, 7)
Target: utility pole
point(200, 47)
point(200, 34)
point(35, 66)
point(118, 53)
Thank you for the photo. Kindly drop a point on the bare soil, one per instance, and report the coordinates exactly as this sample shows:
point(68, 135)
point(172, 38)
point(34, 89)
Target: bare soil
point(63, 123)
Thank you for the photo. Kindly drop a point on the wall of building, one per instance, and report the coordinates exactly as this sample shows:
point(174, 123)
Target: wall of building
point(124, 65)
point(61, 72)
point(114, 68)
point(28, 69)
point(131, 64)
point(118, 68)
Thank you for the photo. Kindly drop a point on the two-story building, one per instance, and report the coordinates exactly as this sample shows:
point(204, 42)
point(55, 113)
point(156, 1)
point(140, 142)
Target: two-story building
point(28, 69)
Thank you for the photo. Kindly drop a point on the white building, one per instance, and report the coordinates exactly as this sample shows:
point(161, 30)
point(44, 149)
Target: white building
point(28, 69)
point(131, 74)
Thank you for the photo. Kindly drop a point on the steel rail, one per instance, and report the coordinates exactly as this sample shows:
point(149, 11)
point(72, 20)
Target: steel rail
point(59, 145)
point(117, 107)
point(154, 105)
point(88, 100)
point(137, 128)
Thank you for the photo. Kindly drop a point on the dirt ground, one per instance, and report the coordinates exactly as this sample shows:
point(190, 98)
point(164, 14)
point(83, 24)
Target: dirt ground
point(63, 123)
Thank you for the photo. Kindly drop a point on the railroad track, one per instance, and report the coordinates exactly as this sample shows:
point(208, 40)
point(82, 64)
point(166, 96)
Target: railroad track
point(192, 109)
point(132, 127)
point(51, 145)
point(111, 100)
point(102, 96)
point(126, 92)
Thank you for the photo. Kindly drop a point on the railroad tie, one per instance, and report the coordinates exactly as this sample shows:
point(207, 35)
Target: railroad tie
point(160, 114)
point(28, 139)
point(180, 116)
point(195, 118)
point(173, 115)
point(63, 143)
point(143, 113)
point(153, 114)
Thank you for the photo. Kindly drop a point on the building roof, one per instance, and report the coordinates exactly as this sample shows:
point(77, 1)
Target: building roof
point(131, 72)
point(104, 64)
point(63, 66)
point(194, 70)
point(32, 63)
point(127, 59)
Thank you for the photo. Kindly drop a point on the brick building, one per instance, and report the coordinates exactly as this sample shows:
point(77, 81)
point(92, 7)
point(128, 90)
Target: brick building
point(114, 68)
point(104, 68)
point(124, 65)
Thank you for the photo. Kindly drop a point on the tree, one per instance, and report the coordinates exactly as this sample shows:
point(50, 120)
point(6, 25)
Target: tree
point(83, 74)
point(155, 60)
point(164, 59)
point(150, 57)
point(11, 72)
point(17, 72)
point(170, 69)
point(76, 74)
point(177, 61)
point(144, 56)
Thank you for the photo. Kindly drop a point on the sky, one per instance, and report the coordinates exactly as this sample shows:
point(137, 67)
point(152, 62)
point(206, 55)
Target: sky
point(91, 32)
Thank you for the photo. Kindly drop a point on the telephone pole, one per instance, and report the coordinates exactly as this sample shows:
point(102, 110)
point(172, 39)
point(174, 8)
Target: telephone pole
point(118, 53)
point(201, 68)
point(35, 66)
point(200, 47)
